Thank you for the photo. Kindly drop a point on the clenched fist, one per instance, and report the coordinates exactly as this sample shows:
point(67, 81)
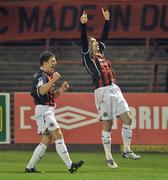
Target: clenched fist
point(64, 87)
point(56, 76)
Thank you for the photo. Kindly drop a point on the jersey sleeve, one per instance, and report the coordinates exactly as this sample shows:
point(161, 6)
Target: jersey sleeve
point(86, 59)
point(39, 82)
point(84, 39)
point(104, 36)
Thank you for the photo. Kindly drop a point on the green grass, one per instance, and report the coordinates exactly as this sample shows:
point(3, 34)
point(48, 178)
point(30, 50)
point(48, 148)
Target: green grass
point(151, 166)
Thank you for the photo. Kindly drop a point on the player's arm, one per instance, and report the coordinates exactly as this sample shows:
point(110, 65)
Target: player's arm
point(106, 28)
point(83, 21)
point(43, 89)
point(63, 88)
point(87, 62)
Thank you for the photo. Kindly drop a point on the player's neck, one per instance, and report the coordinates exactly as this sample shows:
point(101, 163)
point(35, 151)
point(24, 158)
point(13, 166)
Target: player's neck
point(44, 69)
point(94, 53)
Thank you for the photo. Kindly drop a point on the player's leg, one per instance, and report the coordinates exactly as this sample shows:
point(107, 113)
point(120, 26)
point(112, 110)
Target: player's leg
point(46, 138)
point(61, 147)
point(122, 110)
point(106, 141)
point(63, 152)
point(127, 135)
point(53, 128)
point(38, 154)
point(103, 102)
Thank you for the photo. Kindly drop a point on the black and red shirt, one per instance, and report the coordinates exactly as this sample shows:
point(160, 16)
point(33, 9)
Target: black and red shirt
point(97, 65)
point(41, 78)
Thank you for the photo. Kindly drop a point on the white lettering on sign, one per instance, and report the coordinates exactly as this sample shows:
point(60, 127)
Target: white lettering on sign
point(22, 117)
point(164, 117)
point(156, 117)
point(133, 114)
point(144, 117)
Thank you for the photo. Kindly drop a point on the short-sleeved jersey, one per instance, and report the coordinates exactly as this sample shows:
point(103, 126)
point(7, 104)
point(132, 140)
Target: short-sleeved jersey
point(41, 78)
point(97, 65)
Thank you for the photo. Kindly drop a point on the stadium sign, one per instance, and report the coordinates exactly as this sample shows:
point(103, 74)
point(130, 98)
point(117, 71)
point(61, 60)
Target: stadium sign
point(60, 19)
point(4, 118)
point(79, 121)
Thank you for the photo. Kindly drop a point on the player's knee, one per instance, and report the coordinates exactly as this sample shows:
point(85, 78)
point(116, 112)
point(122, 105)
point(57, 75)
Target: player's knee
point(107, 125)
point(129, 121)
point(57, 134)
point(127, 118)
point(46, 140)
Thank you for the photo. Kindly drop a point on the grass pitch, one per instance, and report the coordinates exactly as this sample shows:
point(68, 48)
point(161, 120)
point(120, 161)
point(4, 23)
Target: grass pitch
point(151, 166)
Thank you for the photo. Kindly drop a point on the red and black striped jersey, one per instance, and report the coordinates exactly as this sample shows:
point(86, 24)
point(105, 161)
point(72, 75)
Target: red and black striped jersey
point(97, 65)
point(41, 78)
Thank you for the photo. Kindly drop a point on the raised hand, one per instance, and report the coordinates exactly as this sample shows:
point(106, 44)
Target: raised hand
point(106, 14)
point(83, 18)
point(65, 86)
point(56, 76)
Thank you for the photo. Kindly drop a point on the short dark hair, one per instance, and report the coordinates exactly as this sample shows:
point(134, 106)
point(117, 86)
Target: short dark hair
point(44, 57)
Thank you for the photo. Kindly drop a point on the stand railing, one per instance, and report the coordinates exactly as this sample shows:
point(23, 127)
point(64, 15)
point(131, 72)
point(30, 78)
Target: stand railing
point(153, 85)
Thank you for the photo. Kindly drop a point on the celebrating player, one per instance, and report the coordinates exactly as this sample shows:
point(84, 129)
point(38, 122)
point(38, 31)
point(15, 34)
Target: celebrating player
point(109, 100)
point(43, 92)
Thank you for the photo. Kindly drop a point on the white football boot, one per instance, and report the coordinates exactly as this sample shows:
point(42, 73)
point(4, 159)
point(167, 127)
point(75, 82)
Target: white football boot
point(112, 164)
point(130, 155)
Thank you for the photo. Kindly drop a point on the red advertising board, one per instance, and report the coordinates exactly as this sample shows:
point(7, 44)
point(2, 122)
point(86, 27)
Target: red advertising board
point(60, 19)
point(77, 117)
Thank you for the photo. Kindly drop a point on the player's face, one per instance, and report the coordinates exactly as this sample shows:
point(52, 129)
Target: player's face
point(50, 65)
point(93, 45)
